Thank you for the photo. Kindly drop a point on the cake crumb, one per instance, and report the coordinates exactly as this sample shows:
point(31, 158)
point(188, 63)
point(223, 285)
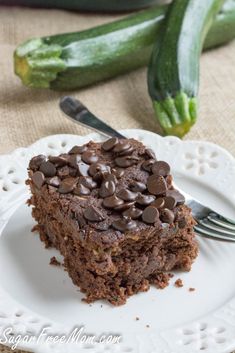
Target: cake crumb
point(162, 280)
point(179, 283)
point(191, 289)
point(137, 318)
point(54, 261)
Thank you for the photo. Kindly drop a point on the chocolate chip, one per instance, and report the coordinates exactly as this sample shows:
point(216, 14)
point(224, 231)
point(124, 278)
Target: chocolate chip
point(150, 215)
point(127, 195)
point(54, 181)
point(63, 172)
point(121, 146)
point(36, 161)
point(150, 153)
point(89, 157)
point(137, 186)
point(78, 149)
point(98, 168)
point(133, 213)
point(81, 220)
point(127, 151)
point(170, 202)
point(180, 199)
point(58, 161)
point(126, 161)
point(74, 160)
point(159, 202)
point(110, 143)
point(83, 169)
point(156, 185)
point(81, 190)
point(145, 200)
point(93, 215)
point(88, 182)
point(161, 168)
point(110, 177)
point(107, 189)
point(147, 165)
point(67, 185)
point(124, 206)
point(118, 172)
point(124, 224)
point(112, 201)
point(167, 216)
point(38, 179)
point(48, 169)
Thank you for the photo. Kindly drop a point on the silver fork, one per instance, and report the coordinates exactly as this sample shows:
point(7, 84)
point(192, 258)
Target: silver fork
point(210, 223)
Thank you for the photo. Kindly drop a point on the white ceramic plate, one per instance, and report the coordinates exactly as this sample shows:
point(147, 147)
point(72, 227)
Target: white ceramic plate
point(34, 294)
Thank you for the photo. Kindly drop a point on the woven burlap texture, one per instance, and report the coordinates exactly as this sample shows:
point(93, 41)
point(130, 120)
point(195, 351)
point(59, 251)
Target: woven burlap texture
point(27, 115)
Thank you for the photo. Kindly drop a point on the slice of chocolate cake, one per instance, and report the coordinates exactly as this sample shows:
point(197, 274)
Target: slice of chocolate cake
point(111, 210)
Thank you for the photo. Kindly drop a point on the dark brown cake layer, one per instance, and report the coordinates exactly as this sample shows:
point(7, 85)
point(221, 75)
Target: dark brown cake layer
point(112, 212)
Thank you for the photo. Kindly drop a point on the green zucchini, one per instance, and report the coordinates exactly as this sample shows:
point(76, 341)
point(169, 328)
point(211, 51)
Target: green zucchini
point(73, 60)
point(173, 75)
point(87, 5)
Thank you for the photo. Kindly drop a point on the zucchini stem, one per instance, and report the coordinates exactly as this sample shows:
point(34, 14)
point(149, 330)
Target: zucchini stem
point(176, 115)
point(37, 63)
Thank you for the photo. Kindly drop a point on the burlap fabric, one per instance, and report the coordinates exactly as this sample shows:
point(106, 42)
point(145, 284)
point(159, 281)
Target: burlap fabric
point(27, 115)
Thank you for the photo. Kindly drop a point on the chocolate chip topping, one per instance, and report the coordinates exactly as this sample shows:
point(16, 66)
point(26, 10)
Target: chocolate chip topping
point(156, 185)
point(97, 168)
point(150, 153)
point(107, 189)
point(58, 161)
point(145, 200)
point(150, 214)
point(110, 177)
point(137, 186)
point(92, 214)
point(48, 169)
point(126, 161)
point(133, 213)
point(67, 185)
point(159, 202)
point(124, 206)
point(119, 178)
point(83, 169)
point(89, 157)
point(38, 179)
point(147, 165)
point(161, 168)
point(54, 181)
point(170, 202)
point(112, 201)
point(110, 143)
point(124, 224)
point(88, 182)
point(36, 161)
point(121, 146)
point(127, 195)
point(167, 216)
point(78, 149)
point(74, 160)
point(118, 172)
point(81, 190)
point(180, 199)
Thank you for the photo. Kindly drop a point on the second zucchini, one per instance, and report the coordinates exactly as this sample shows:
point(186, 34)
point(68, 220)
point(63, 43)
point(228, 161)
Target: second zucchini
point(173, 75)
point(73, 60)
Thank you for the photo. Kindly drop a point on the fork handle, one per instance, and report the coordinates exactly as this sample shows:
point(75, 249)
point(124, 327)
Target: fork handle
point(78, 113)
